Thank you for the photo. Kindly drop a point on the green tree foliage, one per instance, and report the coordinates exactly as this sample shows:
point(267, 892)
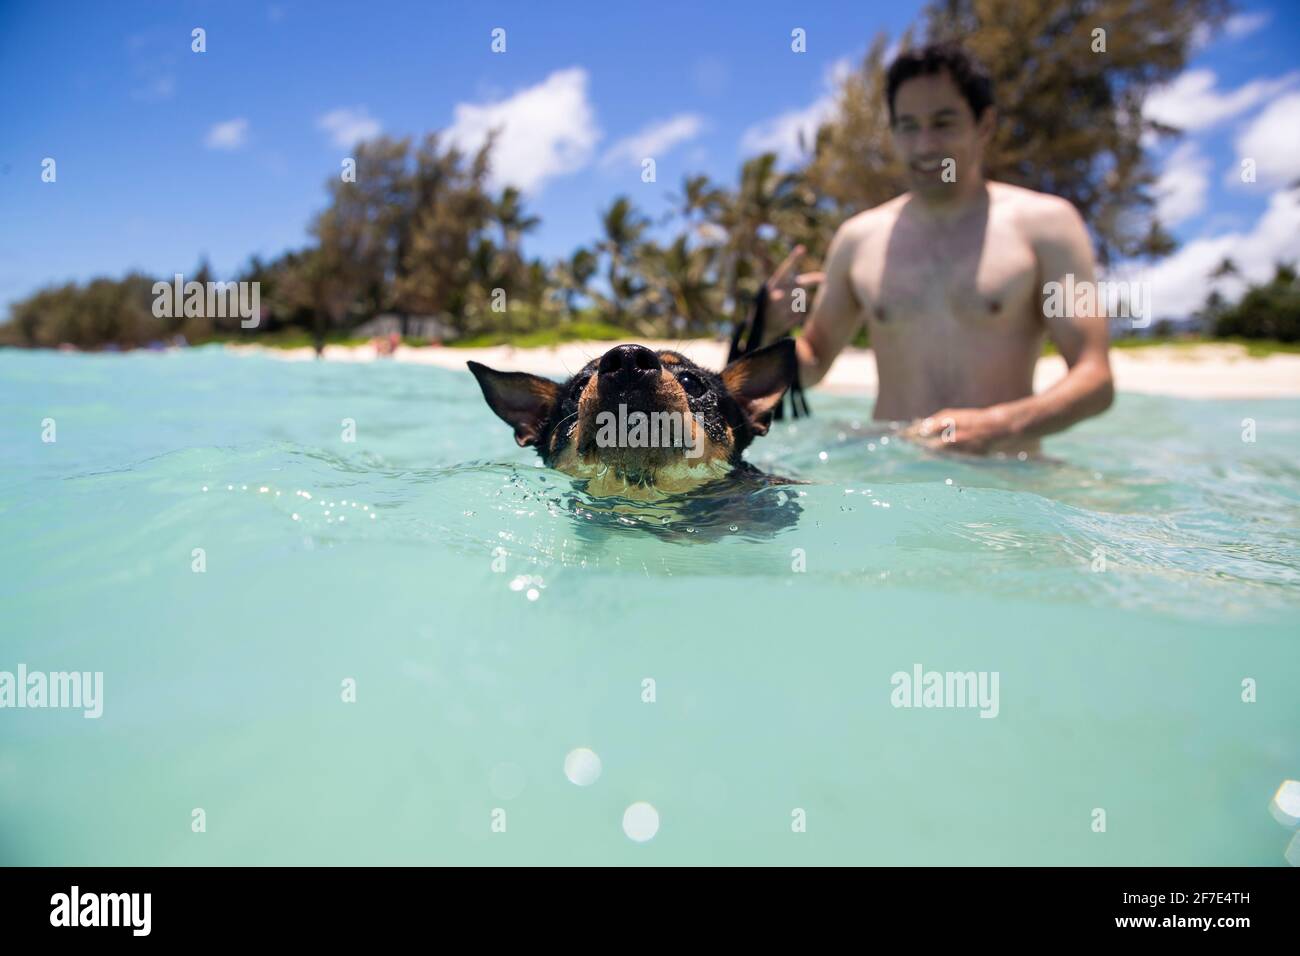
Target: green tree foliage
point(1269, 310)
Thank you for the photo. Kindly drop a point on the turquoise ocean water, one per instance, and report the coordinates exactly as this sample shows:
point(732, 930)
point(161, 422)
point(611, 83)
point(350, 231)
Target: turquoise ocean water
point(493, 621)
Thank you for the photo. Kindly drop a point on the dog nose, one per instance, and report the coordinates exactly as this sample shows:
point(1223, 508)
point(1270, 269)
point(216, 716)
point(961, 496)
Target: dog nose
point(629, 363)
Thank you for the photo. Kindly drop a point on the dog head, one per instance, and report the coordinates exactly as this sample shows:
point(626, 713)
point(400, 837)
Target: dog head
point(641, 424)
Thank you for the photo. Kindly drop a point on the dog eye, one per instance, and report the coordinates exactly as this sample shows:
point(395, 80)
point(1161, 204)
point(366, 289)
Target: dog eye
point(581, 383)
point(694, 387)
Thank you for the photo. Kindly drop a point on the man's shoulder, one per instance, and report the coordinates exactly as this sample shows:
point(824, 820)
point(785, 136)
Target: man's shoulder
point(1034, 212)
point(870, 220)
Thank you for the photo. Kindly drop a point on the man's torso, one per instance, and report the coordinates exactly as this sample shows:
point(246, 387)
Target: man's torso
point(954, 310)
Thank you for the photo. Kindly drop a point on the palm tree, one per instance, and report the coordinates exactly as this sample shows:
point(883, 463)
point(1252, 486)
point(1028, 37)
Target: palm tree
point(508, 213)
point(573, 274)
point(623, 228)
point(488, 271)
point(685, 273)
point(765, 199)
point(537, 285)
point(699, 203)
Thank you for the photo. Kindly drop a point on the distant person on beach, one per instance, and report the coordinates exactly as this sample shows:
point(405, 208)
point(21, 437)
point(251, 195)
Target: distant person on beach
point(949, 278)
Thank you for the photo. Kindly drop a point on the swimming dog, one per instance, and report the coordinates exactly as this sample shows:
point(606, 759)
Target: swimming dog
point(640, 424)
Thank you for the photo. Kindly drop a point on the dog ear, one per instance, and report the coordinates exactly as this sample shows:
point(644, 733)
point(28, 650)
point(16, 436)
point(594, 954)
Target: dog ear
point(520, 400)
point(758, 379)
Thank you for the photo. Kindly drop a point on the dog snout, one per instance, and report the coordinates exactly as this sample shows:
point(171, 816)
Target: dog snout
point(628, 366)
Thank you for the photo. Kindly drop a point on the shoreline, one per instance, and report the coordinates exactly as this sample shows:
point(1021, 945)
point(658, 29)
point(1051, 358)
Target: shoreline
point(1210, 371)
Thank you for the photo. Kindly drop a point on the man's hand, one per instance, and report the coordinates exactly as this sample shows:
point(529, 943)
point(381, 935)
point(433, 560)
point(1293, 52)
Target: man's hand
point(785, 309)
point(973, 431)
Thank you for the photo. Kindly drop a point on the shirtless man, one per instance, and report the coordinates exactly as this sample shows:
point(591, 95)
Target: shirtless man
point(950, 277)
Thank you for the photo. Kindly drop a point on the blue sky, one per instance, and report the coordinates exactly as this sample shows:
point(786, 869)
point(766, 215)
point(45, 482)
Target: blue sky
point(165, 155)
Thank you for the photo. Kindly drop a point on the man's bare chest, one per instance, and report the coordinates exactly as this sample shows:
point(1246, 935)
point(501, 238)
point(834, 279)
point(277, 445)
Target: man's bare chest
point(911, 279)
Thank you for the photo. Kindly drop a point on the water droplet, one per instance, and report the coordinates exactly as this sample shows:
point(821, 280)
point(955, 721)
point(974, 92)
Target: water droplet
point(532, 594)
point(733, 528)
point(582, 767)
point(947, 481)
point(641, 822)
point(822, 455)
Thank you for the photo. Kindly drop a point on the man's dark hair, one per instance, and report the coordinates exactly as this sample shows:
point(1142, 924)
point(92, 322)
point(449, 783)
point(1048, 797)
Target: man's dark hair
point(971, 78)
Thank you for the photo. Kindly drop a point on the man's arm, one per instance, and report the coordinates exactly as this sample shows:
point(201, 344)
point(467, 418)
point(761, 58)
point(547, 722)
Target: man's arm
point(1062, 246)
point(835, 315)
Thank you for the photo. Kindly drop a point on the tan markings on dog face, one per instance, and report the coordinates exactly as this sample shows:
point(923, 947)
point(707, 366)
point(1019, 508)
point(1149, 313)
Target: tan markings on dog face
point(708, 450)
point(734, 377)
point(673, 394)
point(567, 461)
point(586, 400)
point(670, 358)
point(661, 470)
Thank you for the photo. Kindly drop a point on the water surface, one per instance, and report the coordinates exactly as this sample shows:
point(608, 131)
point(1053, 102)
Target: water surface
point(494, 619)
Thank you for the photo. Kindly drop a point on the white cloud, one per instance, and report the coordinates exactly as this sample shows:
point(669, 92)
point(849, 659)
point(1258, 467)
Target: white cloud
point(1180, 283)
point(231, 134)
point(1244, 24)
point(781, 134)
point(1180, 191)
point(1272, 140)
point(547, 130)
point(655, 140)
point(1237, 26)
point(347, 127)
point(1191, 102)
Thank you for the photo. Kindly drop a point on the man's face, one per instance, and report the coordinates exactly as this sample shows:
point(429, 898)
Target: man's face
point(933, 124)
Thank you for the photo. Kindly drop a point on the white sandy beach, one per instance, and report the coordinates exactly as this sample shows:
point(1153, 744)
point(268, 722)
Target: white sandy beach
point(1192, 371)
